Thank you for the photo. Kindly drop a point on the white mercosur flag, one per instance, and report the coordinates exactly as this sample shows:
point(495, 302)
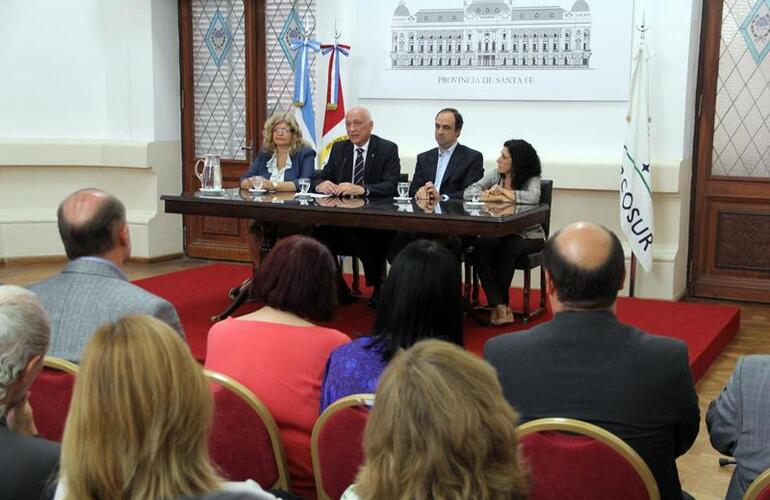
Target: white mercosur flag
point(636, 218)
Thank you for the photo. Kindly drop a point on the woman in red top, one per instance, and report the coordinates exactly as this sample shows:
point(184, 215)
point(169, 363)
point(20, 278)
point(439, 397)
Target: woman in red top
point(277, 352)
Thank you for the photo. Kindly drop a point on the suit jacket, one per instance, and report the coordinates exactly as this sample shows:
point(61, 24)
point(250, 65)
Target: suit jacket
point(88, 294)
point(465, 167)
point(302, 166)
point(27, 465)
point(739, 421)
point(589, 366)
point(381, 168)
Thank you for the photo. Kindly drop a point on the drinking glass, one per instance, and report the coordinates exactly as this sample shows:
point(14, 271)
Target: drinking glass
point(256, 182)
point(475, 192)
point(304, 186)
point(403, 189)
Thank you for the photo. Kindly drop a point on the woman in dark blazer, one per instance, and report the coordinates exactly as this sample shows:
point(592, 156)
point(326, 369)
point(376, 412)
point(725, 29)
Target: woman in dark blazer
point(516, 180)
point(283, 159)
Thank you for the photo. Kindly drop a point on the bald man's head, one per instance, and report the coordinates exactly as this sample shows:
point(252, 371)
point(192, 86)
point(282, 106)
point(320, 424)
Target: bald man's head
point(586, 264)
point(89, 220)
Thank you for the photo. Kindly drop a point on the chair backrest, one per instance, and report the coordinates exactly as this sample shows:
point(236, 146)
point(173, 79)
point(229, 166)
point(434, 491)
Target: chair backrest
point(546, 195)
point(759, 488)
point(337, 444)
point(50, 396)
point(588, 462)
point(244, 440)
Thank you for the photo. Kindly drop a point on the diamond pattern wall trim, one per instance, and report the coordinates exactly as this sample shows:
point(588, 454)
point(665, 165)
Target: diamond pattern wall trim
point(284, 21)
point(742, 121)
point(219, 78)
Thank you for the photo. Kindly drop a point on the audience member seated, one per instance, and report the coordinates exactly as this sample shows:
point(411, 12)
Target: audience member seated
point(420, 299)
point(739, 422)
point(27, 462)
point(139, 420)
point(93, 289)
point(585, 364)
point(440, 428)
point(277, 352)
point(516, 180)
point(283, 159)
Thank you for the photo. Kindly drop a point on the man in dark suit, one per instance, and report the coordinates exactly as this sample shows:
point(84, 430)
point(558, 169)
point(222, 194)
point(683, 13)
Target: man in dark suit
point(585, 364)
point(27, 463)
point(444, 172)
point(362, 165)
point(441, 173)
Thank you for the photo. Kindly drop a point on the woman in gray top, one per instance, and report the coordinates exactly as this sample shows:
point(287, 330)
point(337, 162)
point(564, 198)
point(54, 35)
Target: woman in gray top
point(516, 180)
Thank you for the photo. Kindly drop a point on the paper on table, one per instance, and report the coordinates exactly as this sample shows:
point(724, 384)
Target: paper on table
point(313, 195)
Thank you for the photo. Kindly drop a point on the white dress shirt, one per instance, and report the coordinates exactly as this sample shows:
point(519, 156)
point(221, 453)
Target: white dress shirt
point(444, 155)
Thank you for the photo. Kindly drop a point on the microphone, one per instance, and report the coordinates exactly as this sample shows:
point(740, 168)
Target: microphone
point(727, 461)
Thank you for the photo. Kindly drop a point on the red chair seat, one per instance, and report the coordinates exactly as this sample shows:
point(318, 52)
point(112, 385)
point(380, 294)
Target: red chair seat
point(50, 397)
point(337, 444)
point(244, 441)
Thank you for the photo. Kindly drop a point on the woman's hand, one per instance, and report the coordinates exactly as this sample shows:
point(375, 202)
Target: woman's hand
point(501, 194)
point(255, 181)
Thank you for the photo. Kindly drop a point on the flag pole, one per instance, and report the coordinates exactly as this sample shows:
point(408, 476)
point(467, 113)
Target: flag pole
point(632, 281)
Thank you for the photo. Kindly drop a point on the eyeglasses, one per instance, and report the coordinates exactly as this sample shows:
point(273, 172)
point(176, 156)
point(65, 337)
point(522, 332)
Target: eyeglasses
point(283, 130)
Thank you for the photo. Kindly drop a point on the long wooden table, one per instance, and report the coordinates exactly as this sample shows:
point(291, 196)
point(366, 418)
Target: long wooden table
point(455, 217)
point(448, 217)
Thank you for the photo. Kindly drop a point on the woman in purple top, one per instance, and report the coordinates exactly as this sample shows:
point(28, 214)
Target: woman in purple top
point(420, 299)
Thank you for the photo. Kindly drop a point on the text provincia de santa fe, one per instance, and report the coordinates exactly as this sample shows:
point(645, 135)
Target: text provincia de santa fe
point(486, 80)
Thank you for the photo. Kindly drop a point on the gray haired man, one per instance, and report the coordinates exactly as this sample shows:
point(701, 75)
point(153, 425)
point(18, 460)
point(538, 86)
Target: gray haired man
point(27, 463)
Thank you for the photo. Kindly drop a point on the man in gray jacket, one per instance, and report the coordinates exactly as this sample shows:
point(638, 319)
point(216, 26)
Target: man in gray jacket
point(93, 289)
point(739, 422)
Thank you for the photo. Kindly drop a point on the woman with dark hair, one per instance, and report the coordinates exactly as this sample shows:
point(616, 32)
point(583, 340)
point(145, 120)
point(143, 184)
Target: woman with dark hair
point(516, 180)
point(277, 352)
point(420, 299)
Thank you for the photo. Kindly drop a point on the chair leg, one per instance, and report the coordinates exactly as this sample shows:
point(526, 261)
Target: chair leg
point(475, 287)
point(525, 304)
point(468, 271)
point(356, 276)
point(542, 288)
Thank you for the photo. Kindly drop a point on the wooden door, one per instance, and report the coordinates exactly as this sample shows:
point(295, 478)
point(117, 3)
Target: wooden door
point(223, 106)
point(730, 225)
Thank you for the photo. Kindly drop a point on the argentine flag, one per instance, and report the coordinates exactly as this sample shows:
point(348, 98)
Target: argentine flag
point(303, 93)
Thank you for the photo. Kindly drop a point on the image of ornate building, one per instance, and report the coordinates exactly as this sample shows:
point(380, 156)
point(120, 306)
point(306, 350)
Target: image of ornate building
point(492, 34)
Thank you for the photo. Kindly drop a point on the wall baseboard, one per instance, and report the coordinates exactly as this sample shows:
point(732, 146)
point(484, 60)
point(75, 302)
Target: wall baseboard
point(56, 259)
point(156, 259)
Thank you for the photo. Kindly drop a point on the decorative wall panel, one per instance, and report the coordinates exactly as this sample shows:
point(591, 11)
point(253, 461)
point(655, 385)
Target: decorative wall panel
point(743, 240)
point(742, 121)
point(285, 20)
point(219, 73)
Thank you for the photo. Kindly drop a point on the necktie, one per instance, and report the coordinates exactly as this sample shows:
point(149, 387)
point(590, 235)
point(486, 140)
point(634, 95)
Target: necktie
point(358, 168)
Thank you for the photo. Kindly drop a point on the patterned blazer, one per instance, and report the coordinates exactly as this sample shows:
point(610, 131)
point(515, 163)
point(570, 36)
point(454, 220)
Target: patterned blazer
point(739, 422)
point(88, 294)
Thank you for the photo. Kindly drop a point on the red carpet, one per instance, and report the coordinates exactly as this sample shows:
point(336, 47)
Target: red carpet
point(200, 293)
